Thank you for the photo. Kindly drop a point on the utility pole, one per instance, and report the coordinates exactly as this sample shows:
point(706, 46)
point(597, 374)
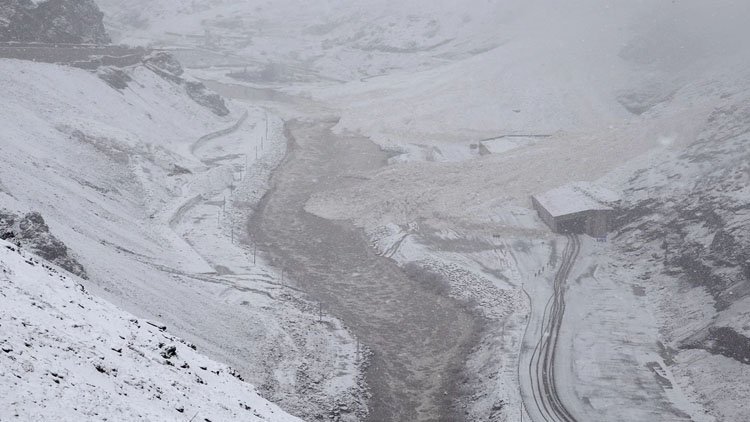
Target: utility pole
point(255, 251)
point(320, 310)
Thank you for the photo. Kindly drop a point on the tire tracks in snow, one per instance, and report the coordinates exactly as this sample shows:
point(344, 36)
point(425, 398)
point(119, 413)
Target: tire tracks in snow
point(217, 134)
point(187, 204)
point(541, 368)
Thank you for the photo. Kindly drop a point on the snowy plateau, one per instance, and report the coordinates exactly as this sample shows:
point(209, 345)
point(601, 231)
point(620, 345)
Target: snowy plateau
point(284, 210)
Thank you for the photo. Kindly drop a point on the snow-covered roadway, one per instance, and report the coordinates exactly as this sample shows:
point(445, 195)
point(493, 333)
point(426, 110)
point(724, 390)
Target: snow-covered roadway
point(547, 404)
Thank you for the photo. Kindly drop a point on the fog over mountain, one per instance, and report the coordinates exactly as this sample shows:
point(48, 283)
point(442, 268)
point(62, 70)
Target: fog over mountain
point(349, 210)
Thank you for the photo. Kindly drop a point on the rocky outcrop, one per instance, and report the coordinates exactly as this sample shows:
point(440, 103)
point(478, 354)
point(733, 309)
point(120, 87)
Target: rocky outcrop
point(114, 77)
point(52, 21)
point(31, 232)
point(689, 214)
point(166, 66)
point(201, 95)
point(725, 341)
point(696, 207)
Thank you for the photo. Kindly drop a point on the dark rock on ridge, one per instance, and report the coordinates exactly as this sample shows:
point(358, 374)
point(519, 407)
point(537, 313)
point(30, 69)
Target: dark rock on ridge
point(52, 21)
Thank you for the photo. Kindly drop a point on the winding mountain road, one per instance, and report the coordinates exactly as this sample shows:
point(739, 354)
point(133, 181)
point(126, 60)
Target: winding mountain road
point(541, 368)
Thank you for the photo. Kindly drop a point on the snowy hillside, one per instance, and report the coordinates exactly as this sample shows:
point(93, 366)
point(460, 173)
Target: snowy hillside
point(150, 189)
point(67, 355)
point(574, 68)
point(339, 39)
point(493, 67)
point(149, 182)
point(685, 224)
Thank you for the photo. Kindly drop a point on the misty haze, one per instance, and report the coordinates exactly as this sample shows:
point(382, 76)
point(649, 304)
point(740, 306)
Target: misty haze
point(375, 211)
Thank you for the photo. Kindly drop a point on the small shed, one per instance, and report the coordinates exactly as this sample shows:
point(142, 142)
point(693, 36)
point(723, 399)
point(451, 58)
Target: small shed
point(579, 207)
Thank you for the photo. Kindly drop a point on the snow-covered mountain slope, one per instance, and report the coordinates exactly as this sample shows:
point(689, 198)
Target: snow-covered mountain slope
point(575, 67)
point(339, 39)
point(683, 166)
point(67, 355)
point(685, 224)
point(434, 72)
point(75, 147)
point(608, 84)
point(150, 191)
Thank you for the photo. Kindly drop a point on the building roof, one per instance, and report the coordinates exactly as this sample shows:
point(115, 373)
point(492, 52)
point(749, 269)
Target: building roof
point(577, 197)
point(506, 144)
